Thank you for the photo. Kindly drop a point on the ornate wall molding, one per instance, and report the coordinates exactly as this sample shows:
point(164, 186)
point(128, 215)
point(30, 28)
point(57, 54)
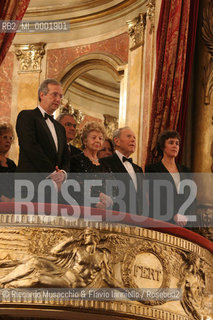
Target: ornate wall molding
point(29, 57)
point(207, 35)
point(136, 30)
point(151, 13)
point(111, 124)
point(208, 80)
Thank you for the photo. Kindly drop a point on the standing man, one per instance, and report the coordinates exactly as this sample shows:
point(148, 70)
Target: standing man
point(42, 139)
point(131, 174)
point(70, 125)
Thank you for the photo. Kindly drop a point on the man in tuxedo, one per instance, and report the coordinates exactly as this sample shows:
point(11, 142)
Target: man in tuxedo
point(70, 125)
point(42, 140)
point(129, 173)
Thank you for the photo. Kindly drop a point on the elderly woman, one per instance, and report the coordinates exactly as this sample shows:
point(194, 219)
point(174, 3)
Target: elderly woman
point(6, 139)
point(107, 149)
point(6, 165)
point(92, 137)
point(168, 145)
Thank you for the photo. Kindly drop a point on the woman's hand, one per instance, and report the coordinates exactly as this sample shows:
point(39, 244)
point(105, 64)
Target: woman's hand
point(180, 220)
point(105, 201)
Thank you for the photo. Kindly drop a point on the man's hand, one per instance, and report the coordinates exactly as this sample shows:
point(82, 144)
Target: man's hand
point(58, 177)
point(180, 220)
point(105, 201)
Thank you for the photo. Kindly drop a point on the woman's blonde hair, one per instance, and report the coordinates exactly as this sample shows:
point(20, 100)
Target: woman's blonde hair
point(91, 126)
point(5, 126)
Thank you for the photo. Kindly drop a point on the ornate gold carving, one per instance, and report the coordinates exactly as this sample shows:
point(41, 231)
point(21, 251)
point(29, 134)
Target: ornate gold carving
point(30, 56)
point(146, 266)
point(49, 251)
point(151, 13)
point(205, 220)
point(137, 30)
point(66, 107)
point(81, 260)
point(207, 36)
point(111, 124)
point(193, 284)
point(207, 27)
point(208, 80)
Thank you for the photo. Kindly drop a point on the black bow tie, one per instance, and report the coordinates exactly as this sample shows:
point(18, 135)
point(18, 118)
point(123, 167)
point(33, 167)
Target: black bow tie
point(47, 116)
point(127, 159)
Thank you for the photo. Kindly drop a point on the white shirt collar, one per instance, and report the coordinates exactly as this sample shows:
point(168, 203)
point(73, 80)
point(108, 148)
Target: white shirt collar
point(42, 110)
point(120, 155)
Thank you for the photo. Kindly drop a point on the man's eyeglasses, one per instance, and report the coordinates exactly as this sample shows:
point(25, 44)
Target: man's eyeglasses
point(69, 124)
point(10, 138)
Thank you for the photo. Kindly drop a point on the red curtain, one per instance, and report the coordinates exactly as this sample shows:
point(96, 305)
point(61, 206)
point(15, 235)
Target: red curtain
point(175, 47)
point(10, 10)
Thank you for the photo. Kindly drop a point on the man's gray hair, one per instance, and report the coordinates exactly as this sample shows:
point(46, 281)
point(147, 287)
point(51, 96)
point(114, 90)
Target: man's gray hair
point(62, 115)
point(117, 133)
point(44, 86)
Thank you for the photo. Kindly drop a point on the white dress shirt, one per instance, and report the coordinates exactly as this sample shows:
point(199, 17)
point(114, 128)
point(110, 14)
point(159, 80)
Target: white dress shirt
point(129, 168)
point(51, 127)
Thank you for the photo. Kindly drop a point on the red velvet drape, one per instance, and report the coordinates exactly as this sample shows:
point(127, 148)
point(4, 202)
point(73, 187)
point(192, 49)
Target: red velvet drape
point(10, 10)
point(175, 48)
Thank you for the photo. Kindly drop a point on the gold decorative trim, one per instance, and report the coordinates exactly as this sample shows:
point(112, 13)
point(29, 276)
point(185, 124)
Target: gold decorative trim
point(206, 30)
point(208, 81)
point(113, 308)
point(29, 57)
point(18, 220)
point(111, 124)
point(136, 31)
point(151, 13)
point(38, 252)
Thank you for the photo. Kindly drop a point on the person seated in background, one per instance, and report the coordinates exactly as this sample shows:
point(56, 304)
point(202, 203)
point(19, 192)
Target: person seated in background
point(107, 149)
point(92, 137)
point(70, 125)
point(6, 164)
point(168, 145)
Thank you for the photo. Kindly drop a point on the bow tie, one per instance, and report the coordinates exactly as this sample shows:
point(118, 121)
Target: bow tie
point(127, 159)
point(47, 116)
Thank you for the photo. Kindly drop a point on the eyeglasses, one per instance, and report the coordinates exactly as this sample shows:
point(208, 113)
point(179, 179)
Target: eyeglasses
point(7, 138)
point(69, 124)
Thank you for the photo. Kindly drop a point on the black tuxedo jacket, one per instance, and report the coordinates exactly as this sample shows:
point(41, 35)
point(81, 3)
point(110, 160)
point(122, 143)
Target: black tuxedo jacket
point(37, 148)
point(158, 171)
point(74, 151)
point(113, 164)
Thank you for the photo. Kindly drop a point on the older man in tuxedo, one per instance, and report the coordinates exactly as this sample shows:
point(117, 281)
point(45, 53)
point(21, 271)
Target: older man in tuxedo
point(130, 174)
point(42, 140)
point(70, 125)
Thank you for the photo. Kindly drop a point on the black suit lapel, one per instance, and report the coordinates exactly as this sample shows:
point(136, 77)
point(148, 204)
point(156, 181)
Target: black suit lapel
point(118, 165)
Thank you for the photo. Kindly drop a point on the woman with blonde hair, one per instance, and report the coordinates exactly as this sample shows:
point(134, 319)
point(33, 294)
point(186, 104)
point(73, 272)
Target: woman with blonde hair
point(92, 137)
point(7, 166)
point(6, 139)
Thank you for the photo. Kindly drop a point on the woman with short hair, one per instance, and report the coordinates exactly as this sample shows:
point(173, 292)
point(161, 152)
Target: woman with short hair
point(168, 145)
point(7, 166)
point(92, 137)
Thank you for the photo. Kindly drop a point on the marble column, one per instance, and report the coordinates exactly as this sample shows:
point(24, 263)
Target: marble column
point(203, 118)
point(26, 80)
point(29, 59)
point(135, 75)
point(141, 69)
